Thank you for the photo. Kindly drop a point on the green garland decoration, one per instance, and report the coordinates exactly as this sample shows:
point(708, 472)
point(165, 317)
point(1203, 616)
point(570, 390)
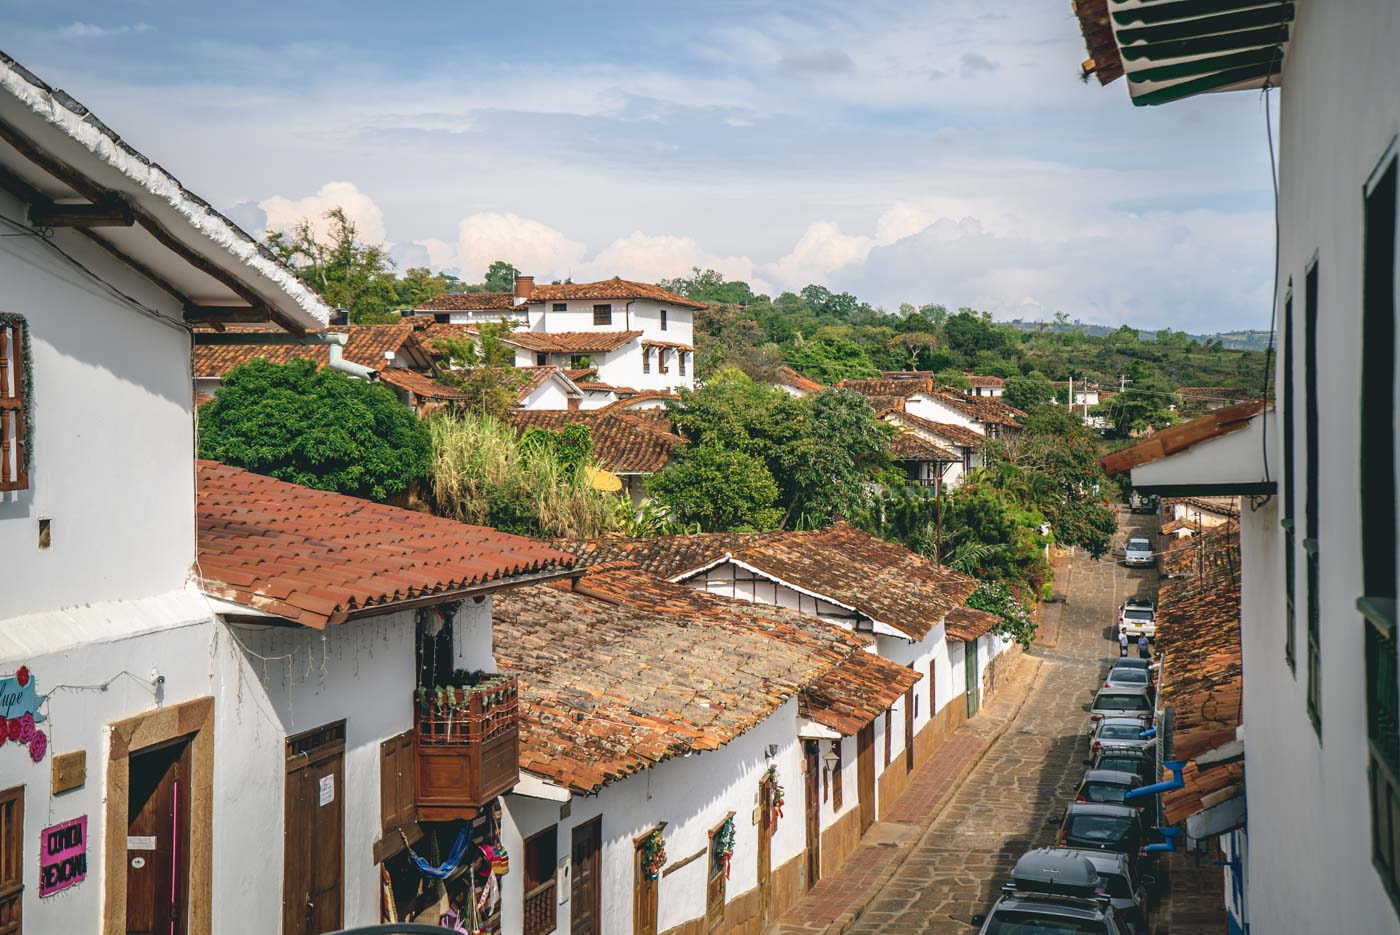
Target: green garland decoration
point(27, 388)
point(724, 844)
point(775, 793)
point(653, 854)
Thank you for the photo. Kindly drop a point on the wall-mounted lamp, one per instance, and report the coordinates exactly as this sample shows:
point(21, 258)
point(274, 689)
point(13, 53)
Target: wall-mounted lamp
point(772, 751)
point(830, 759)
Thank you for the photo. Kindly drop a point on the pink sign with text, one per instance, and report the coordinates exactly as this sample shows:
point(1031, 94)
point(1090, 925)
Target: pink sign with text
point(63, 856)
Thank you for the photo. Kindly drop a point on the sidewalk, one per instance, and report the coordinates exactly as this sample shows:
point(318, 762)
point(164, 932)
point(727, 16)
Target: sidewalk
point(839, 899)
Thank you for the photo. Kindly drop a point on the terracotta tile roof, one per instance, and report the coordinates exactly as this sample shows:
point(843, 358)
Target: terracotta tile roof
point(968, 623)
point(314, 557)
point(365, 345)
point(1199, 784)
point(877, 579)
point(907, 446)
point(628, 398)
point(1105, 60)
point(889, 387)
point(614, 288)
point(1221, 506)
point(674, 345)
point(470, 302)
point(420, 384)
point(979, 380)
point(947, 431)
point(855, 692)
point(623, 442)
point(631, 671)
point(200, 399)
point(430, 332)
point(573, 342)
point(1177, 525)
point(1198, 628)
point(981, 408)
point(583, 374)
point(786, 376)
point(1178, 438)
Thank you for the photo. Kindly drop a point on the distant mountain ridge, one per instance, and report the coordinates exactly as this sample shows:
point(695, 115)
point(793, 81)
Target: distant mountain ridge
point(1243, 340)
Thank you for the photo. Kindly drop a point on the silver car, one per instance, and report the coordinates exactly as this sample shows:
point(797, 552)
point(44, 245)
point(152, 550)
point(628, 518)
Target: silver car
point(1119, 732)
point(1134, 701)
point(1139, 554)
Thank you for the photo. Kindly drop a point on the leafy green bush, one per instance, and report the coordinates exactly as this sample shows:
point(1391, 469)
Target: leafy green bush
point(318, 428)
point(1016, 620)
point(718, 488)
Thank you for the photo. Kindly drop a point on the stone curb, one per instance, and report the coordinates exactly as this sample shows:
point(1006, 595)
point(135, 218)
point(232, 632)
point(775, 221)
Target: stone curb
point(843, 922)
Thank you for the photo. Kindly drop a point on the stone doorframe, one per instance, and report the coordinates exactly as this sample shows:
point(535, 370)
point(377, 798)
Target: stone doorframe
point(195, 720)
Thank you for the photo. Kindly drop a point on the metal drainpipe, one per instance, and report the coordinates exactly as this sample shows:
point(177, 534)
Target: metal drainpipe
point(335, 344)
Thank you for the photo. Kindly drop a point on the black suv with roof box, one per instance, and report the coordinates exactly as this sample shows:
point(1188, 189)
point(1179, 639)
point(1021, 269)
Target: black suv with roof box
point(1053, 890)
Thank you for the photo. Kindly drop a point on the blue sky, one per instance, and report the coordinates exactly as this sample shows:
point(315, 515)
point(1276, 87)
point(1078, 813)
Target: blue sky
point(943, 151)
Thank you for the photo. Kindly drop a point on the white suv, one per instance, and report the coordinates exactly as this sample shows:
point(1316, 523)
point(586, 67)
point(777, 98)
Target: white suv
point(1139, 618)
point(1139, 554)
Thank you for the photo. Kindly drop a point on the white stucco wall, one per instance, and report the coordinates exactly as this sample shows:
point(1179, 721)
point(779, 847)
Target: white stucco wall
point(635, 315)
point(549, 395)
point(113, 433)
point(935, 410)
point(692, 794)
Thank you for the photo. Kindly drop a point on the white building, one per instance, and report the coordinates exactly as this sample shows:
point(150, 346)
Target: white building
point(1318, 539)
point(175, 755)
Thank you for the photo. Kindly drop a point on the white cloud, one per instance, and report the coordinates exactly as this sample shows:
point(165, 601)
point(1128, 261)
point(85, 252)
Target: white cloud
point(650, 258)
point(530, 246)
point(440, 253)
point(283, 213)
point(822, 250)
point(80, 30)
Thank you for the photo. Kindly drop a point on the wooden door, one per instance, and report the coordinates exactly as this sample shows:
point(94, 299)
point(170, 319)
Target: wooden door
point(158, 840)
point(644, 892)
point(811, 771)
point(765, 845)
point(909, 730)
point(313, 887)
point(11, 860)
point(865, 775)
point(974, 683)
point(585, 893)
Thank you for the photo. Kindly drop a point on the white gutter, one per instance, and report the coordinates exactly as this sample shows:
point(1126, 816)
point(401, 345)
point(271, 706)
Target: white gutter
point(335, 345)
point(808, 729)
point(537, 787)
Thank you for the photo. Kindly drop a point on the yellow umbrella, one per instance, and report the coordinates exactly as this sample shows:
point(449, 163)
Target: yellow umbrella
point(603, 480)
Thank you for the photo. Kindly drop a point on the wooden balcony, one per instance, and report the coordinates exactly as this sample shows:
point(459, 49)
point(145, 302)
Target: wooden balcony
point(466, 747)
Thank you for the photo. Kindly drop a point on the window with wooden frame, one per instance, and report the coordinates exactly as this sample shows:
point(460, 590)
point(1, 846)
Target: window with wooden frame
point(1289, 522)
point(541, 857)
point(836, 777)
point(398, 813)
point(715, 877)
point(645, 889)
point(561, 306)
point(541, 360)
point(932, 688)
point(646, 360)
point(661, 360)
point(1313, 502)
point(15, 391)
point(663, 319)
point(11, 860)
point(602, 314)
point(889, 733)
point(1378, 519)
point(680, 361)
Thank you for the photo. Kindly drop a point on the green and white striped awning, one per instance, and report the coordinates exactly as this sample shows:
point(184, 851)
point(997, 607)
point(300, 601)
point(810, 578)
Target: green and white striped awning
point(1178, 48)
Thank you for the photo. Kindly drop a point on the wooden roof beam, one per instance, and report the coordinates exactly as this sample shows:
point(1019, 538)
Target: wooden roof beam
point(112, 211)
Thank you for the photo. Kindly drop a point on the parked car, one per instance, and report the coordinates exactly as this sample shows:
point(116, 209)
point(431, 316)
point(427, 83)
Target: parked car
point(1108, 785)
point(1143, 503)
point(1123, 759)
point(1121, 702)
point(1053, 890)
point(1134, 662)
point(1128, 677)
point(1119, 731)
point(1127, 891)
point(1139, 554)
point(1139, 617)
point(1103, 827)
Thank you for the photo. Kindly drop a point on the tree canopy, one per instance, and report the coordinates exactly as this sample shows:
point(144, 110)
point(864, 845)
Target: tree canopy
point(319, 428)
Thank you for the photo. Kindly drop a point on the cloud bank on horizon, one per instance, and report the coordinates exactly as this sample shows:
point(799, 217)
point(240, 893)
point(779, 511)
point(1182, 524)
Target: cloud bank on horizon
point(941, 153)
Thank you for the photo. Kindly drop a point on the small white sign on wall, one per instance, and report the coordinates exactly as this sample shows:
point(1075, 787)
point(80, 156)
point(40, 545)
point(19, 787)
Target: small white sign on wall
point(327, 789)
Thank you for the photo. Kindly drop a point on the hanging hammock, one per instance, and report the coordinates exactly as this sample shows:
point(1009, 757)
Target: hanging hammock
point(449, 866)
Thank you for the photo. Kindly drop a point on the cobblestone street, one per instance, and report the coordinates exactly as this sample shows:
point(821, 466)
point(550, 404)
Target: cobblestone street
point(1027, 772)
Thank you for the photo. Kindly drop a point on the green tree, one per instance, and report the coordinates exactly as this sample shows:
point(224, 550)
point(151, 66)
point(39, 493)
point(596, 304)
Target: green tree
point(417, 285)
point(484, 368)
point(348, 273)
point(500, 277)
point(319, 428)
point(1145, 403)
point(1026, 392)
point(718, 488)
point(710, 286)
point(830, 360)
point(954, 380)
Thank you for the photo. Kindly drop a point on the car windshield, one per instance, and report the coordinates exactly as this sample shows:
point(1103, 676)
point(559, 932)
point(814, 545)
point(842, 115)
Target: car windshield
point(1132, 614)
point(1121, 703)
point(1098, 792)
point(1099, 829)
point(1120, 732)
point(1128, 675)
point(1031, 922)
point(1117, 885)
point(1119, 764)
point(1139, 545)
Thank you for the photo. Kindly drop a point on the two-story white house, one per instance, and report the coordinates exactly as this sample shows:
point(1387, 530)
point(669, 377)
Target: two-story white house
point(209, 679)
point(1318, 849)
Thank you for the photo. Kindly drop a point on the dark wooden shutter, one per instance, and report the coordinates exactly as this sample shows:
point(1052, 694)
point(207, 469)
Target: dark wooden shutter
point(14, 474)
point(396, 783)
point(11, 859)
point(541, 854)
point(1312, 504)
point(889, 733)
point(1290, 555)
